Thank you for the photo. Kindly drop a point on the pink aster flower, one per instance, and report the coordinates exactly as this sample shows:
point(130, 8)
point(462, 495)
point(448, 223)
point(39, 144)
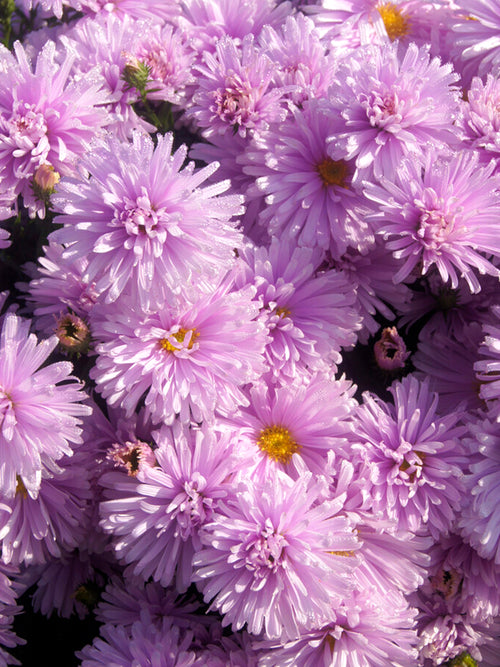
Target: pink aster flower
point(152, 10)
point(310, 196)
point(307, 418)
point(274, 559)
point(38, 415)
point(389, 107)
point(309, 316)
point(8, 610)
point(156, 517)
point(206, 21)
point(441, 212)
point(235, 92)
point(475, 37)
point(479, 118)
point(137, 220)
point(45, 117)
point(371, 630)
point(414, 459)
point(304, 66)
point(189, 362)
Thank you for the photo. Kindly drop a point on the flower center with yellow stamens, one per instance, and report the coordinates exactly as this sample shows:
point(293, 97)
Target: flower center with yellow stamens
point(282, 312)
point(333, 172)
point(277, 443)
point(395, 23)
point(179, 336)
point(20, 488)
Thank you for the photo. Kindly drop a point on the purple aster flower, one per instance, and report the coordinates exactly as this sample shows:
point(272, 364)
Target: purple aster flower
point(137, 220)
point(310, 196)
point(475, 37)
point(480, 520)
point(414, 459)
point(371, 274)
point(145, 642)
point(189, 362)
point(488, 369)
point(45, 117)
point(274, 557)
point(440, 212)
point(235, 92)
point(390, 107)
point(206, 21)
point(304, 66)
point(34, 529)
point(164, 51)
point(156, 517)
point(124, 600)
point(371, 630)
point(479, 118)
point(309, 316)
point(151, 10)
point(447, 362)
point(38, 415)
point(8, 610)
point(309, 417)
point(462, 578)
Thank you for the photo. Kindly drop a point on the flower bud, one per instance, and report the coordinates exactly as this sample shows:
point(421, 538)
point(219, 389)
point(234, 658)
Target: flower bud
point(390, 351)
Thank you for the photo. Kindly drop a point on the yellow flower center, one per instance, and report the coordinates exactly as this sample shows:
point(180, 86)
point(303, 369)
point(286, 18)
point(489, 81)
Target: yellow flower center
point(282, 312)
point(395, 23)
point(333, 172)
point(179, 336)
point(20, 488)
point(277, 443)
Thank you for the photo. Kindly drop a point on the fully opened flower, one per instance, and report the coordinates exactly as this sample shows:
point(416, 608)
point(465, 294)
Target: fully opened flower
point(144, 223)
point(38, 415)
point(156, 517)
point(45, 117)
point(443, 213)
point(389, 107)
point(190, 361)
point(414, 459)
point(276, 559)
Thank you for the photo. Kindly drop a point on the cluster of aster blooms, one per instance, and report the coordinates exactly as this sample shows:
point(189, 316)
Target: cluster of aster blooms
point(213, 212)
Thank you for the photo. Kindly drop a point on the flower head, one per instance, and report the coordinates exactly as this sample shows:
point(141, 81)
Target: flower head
point(38, 415)
point(137, 221)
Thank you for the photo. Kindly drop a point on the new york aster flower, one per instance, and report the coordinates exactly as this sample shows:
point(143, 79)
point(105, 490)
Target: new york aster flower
point(371, 630)
point(38, 415)
point(189, 361)
point(479, 118)
point(413, 456)
point(309, 315)
point(46, 117)
point(487, 368)
point(310, 196)
point(235, 90)
point(441, 212)
point(137, 220)
point(156, 517)
point(389, 107)
point(276, 559)
point(308, 417)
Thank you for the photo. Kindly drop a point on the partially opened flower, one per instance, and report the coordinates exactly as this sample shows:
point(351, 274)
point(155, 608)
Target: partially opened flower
point(38, 415)
point(137, 221)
